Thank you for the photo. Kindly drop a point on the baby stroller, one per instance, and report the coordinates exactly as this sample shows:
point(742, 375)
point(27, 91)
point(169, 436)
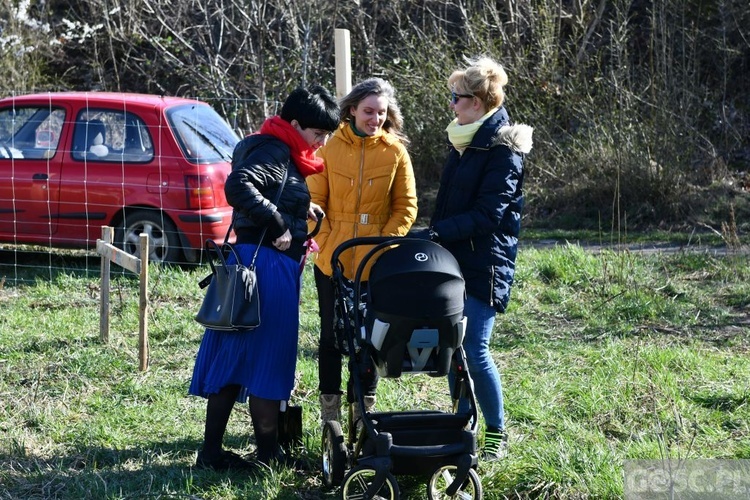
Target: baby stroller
point(408, 320)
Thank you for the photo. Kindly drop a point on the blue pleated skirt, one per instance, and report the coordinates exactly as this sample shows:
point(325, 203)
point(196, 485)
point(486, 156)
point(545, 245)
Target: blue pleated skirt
point(263, 360)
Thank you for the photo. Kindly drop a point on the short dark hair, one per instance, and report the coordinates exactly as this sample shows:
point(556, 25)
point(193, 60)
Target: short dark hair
point(314, 107)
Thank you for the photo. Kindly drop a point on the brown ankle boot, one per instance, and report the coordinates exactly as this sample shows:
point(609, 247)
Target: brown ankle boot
point(330, 408)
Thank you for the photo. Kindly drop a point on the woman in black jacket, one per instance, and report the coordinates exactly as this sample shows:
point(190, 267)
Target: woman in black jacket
point(259, 366)
point(477, 217)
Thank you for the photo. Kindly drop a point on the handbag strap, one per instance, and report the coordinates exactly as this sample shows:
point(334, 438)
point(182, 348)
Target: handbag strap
point(263, 234)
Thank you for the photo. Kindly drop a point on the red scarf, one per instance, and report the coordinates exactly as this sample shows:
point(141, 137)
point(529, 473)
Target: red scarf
point(302, 154)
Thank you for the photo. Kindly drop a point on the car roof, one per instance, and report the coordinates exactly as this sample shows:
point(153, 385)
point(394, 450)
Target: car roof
point(102, 98)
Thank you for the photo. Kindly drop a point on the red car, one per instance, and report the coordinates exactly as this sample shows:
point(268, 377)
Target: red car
point(73, 162)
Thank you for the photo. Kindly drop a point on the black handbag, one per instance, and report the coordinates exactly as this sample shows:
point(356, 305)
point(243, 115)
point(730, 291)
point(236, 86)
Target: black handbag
point(232, 301)
point(290, 426)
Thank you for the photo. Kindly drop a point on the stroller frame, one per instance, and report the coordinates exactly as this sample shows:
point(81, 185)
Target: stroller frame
point(416, 442)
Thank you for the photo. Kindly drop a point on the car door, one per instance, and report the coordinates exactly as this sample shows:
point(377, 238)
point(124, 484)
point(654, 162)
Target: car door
point(30, 165)
point(111, 166)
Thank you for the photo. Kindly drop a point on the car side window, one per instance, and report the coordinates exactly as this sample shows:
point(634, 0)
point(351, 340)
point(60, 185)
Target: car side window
point(112, 136)
point(30, 132)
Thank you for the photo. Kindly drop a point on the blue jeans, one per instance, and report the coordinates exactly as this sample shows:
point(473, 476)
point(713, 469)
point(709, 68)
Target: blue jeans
point(488, 389)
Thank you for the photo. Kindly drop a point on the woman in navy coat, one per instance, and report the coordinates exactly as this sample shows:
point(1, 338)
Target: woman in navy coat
point(477, 217)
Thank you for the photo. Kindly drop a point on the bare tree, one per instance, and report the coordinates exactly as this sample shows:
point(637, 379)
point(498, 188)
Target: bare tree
point(638, 99)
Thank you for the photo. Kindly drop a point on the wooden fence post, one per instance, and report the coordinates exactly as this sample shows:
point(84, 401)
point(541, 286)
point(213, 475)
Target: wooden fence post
point(143, 306)
point(343, 62)
point(107, 237)
point(109, 252)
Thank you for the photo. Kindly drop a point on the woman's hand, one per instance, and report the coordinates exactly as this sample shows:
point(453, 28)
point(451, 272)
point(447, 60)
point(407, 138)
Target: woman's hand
point(283, 242)
point(314, 212)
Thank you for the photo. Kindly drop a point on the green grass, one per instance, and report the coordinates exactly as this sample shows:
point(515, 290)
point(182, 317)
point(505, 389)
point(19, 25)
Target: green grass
point(605, 357)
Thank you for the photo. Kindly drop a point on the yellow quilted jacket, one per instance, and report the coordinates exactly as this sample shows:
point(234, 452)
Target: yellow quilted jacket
point(366, 189)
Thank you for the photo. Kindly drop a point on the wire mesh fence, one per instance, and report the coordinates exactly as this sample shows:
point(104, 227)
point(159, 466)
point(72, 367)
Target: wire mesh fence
point(71, 163)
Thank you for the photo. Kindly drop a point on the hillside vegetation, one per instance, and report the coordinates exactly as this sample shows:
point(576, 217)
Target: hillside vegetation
point(640, 108)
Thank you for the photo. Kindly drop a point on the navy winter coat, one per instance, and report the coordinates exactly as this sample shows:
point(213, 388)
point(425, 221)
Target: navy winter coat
point(258, 165)
point(478, 208)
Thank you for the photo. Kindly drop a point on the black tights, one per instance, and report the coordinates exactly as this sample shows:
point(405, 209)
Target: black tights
point(329, 356)
point(264, 414)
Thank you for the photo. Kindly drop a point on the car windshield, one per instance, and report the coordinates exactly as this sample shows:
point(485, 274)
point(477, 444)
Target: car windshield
point(204, 136)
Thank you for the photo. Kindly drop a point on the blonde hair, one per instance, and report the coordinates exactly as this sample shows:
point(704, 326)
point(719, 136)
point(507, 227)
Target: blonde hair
point(483, 78)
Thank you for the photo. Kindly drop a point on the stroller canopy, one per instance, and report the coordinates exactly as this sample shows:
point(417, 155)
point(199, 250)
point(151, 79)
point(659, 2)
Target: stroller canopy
point(417, 279)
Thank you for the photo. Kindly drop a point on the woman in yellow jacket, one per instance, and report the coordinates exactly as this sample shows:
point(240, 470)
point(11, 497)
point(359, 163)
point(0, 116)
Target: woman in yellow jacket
point(366, 189)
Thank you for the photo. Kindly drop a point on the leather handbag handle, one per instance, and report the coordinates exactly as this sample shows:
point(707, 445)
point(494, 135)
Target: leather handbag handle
point(213, 247)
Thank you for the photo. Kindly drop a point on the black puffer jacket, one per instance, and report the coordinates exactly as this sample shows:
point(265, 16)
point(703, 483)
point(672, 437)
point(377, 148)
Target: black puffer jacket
point(258, 165)
point(478, 207)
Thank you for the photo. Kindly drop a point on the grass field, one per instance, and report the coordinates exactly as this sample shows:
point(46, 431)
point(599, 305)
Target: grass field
point(605, 357)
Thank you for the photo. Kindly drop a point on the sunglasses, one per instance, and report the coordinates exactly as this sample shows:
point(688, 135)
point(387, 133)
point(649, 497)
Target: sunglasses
point(455, 97)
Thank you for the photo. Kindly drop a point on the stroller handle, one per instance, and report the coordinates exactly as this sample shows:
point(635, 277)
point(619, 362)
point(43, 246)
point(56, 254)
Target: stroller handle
point(316, 230)
point(362, 240)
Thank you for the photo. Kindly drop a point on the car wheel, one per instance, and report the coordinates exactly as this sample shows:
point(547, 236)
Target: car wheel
point(163, 241)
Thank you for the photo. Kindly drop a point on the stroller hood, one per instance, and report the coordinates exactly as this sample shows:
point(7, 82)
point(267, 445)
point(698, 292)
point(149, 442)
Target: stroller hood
point(416, 279)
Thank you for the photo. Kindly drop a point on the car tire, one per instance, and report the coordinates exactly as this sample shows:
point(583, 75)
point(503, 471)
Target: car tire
point(163, 240)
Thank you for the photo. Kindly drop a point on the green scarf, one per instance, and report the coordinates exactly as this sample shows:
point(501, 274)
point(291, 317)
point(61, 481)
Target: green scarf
point(461, 135)
point(356, 130)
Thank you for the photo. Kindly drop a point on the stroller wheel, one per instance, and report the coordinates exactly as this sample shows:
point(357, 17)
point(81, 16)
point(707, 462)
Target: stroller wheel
point(360, 478)
point(444, 476)
point(334, 454)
